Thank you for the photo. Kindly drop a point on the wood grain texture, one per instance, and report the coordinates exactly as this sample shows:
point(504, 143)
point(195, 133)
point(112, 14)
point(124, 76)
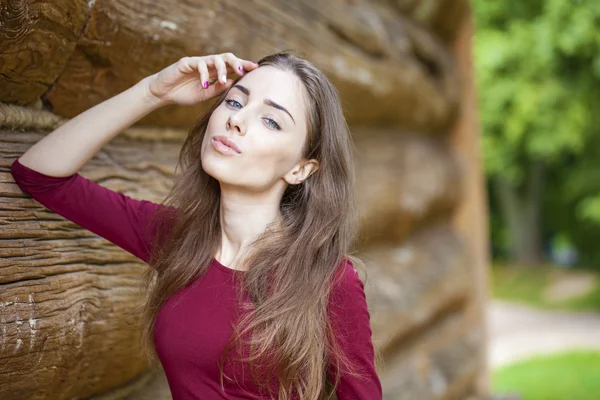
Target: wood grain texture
point(70, 299)
point(413, 283)
point(388, 69)
point(471, 217)
point(403, 181)
point(438, 363)
point(443, 17)
point(37, 37)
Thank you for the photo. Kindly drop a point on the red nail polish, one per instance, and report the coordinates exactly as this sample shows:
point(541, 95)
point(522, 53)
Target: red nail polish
point(205, 85)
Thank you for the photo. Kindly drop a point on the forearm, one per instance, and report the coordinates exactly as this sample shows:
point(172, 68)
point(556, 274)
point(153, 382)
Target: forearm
point(66, 149)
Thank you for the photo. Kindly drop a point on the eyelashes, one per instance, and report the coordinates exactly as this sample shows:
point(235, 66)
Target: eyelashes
point(230, 102)
point(272, 123)
point(236, 104)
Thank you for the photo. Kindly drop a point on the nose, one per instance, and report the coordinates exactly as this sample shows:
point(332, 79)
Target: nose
point(234, 122)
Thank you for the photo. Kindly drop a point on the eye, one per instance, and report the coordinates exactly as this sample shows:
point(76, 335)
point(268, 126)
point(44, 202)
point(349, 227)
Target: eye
point(272, 123)
point(233, 103)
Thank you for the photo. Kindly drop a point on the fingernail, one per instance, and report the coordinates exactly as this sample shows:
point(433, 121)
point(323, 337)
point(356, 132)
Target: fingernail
point(224, 78)
point(240, 68)
point(205, 85)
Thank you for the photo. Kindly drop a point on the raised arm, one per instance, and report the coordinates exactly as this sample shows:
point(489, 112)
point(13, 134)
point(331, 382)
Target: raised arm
point(351, 324)
point(48, 170)
point(65, 150)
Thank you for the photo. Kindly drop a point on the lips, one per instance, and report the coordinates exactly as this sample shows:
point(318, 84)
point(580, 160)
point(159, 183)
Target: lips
point(228, 142)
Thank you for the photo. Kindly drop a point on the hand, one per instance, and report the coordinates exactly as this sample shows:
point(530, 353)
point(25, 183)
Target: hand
point(192, 80)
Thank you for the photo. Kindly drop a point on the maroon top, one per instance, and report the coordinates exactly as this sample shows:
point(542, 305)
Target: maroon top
point(194, 324)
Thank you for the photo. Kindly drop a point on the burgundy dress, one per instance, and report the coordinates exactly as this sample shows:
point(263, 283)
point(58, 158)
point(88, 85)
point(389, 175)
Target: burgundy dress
point(194, 324)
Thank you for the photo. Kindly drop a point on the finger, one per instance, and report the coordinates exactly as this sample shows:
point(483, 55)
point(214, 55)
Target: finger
point(221, 69)
point(203, 72)
point(234, 63)
point(226, 85)
point(184, 66)
point(219, 87)
point(248, 65)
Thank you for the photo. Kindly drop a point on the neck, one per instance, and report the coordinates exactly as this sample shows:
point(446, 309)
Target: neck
point(244, 216)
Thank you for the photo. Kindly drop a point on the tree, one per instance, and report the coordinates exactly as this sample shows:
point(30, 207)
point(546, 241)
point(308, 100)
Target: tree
point(538, 70)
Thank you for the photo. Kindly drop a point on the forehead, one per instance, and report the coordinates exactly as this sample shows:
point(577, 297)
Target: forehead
point(282, 87)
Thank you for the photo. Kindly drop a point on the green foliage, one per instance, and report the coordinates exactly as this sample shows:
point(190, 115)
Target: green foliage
point(538, 75)
point(567, 375)
point(535, 64)
point(589, 208)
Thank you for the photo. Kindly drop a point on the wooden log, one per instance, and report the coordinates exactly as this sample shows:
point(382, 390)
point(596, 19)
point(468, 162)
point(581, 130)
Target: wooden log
point(441, 363)
point(36, 41)
point(386, 69)
point(152, 384)
point(444, 17)
point(471, 218)
point(69, 298)
point(426, 323)
point(404, 181)
point(410, 285)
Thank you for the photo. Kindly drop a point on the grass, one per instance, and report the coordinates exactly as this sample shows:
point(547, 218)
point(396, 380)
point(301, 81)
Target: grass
point(527, 285)
point(573, 375)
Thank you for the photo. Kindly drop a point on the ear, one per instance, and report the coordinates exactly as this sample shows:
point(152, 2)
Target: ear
point(301, 172)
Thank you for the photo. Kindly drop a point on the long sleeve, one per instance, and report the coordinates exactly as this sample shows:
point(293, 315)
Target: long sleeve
point(351, 325)
point(114, 216)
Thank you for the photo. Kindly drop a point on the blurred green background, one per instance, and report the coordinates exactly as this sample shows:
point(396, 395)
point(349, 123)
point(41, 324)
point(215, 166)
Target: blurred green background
point(538, 75)
point(537, 67)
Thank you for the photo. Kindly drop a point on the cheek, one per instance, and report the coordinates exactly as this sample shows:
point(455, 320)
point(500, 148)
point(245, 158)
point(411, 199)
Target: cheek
point(268, 161)
point(216, 119)
point(279, 153)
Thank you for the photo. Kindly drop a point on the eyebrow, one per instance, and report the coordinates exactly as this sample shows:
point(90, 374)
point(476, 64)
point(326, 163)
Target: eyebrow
point(268, 102)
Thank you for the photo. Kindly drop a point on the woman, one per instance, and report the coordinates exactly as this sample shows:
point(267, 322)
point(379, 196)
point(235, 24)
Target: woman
point(251, 290)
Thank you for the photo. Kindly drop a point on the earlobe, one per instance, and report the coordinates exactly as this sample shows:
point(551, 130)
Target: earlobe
point(295, 178)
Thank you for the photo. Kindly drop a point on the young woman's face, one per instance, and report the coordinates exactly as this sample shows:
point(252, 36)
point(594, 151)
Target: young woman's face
point(264, 114)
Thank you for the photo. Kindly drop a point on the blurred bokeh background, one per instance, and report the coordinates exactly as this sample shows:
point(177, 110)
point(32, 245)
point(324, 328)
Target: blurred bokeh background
point(538, 78)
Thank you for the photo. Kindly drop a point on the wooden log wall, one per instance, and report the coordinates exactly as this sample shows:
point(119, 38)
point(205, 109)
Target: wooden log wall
point(69, 300)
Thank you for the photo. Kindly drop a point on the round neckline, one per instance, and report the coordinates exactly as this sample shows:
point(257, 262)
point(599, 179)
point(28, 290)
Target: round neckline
point(222, 267)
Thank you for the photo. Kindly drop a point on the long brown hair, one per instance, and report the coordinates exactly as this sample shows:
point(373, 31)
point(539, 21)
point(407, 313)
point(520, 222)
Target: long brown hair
point(293, 266)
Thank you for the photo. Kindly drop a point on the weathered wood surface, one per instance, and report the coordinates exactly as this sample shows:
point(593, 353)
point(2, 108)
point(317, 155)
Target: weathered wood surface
point(387, 68)
point(36, 41)
point(470, 219)
point(441, 16)
point(439, 363)
point(414, 283)
point(404, 181)
point(424, 318)
point(150, 385)
point(68, 297)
